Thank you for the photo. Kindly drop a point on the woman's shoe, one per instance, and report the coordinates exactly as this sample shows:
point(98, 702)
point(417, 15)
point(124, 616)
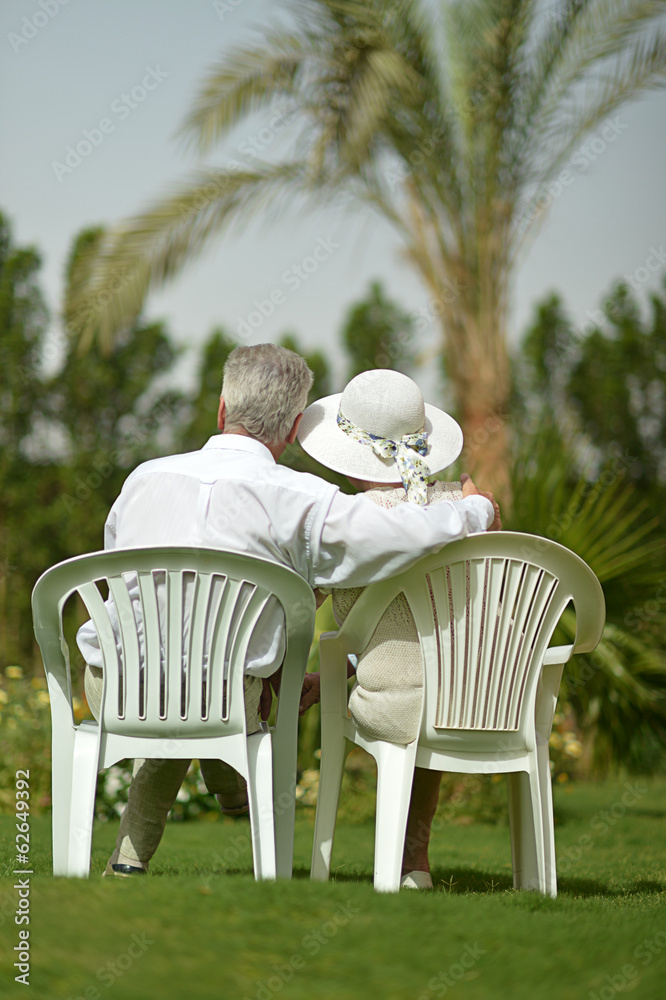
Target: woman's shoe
point(416, 880)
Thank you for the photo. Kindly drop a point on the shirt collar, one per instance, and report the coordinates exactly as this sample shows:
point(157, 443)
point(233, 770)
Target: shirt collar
point(239, 442)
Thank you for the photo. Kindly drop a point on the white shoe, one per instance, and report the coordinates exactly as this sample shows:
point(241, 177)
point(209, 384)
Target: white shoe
point(416, 880)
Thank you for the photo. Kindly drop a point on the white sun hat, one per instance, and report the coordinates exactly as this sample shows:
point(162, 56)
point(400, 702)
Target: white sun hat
point(380, 430)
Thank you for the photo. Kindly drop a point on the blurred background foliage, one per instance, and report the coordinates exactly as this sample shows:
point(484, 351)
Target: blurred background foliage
point(588, 438)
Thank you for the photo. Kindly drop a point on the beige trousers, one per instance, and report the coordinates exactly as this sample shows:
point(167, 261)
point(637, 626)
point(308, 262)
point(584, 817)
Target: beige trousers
point(156, 782)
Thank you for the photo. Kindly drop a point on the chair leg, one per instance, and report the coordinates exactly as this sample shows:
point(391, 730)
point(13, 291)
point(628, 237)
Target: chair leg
point(524, 833)
point(395, 775)
point(285, 752)
point(85, 763)
point(61, 795)
point(260, 800)
point(523, 845)
point(334, 751)
point(546, 793)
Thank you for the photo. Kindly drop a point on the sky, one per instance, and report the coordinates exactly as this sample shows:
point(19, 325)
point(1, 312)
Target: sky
point(121, 76)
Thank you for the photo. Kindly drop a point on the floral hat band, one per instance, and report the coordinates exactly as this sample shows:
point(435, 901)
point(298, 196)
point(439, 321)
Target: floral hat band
point(406, 452)
point(380, 429)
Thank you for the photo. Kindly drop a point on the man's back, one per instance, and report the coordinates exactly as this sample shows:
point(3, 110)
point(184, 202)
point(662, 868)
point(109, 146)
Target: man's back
point(229, 495)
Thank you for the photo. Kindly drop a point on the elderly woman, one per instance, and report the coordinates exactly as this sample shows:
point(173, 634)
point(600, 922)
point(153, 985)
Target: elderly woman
point(388, 442)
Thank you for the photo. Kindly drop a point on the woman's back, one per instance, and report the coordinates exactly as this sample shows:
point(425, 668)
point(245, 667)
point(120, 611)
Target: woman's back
point(386, 699)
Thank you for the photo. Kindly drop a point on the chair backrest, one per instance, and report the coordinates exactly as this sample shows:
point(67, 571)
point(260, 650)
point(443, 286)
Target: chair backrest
point(174, 632)
point(485, 609)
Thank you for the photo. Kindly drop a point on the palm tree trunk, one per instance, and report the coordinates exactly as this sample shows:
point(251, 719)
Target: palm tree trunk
point(468, 285)
point(477, 366)
point(486, 452)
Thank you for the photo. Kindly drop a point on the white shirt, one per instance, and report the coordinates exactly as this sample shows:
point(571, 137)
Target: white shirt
point(233, 495)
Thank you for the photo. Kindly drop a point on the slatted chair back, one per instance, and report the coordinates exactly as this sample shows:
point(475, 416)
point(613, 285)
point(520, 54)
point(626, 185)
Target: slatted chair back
point(485, 610)
point(176, 620)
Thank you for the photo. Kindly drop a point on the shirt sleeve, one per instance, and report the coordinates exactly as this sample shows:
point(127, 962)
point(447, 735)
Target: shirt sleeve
point(86, 637)
point(362, 543)
point(110, 529)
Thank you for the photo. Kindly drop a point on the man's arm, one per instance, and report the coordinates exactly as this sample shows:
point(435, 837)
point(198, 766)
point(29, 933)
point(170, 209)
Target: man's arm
point(361, 542)
point(310, 694)
point(470, 490)
point(110, 529)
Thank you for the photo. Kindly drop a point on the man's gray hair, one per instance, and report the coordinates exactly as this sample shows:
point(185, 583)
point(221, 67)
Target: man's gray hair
point(265, 387)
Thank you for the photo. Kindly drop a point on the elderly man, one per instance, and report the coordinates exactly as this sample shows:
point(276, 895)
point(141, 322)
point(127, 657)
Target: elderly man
point(232, 495)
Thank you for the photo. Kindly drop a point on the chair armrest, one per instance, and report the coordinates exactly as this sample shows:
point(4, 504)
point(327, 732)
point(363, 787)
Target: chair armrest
point(332, 674)
point(558, 654)
point(547, 694)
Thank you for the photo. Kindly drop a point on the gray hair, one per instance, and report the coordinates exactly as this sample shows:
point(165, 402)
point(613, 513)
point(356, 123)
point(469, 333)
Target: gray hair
point(265, 387)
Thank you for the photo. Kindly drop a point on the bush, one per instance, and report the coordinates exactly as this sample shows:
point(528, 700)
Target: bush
point(25, 744)
point(25, 738)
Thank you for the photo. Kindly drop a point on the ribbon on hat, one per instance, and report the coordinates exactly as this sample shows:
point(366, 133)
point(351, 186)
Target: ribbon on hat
point(406, 453)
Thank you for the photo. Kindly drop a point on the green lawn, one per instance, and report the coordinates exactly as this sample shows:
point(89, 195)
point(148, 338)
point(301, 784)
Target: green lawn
point(199, 927)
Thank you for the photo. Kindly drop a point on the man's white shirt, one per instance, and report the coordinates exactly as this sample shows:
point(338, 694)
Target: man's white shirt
point(233, 495)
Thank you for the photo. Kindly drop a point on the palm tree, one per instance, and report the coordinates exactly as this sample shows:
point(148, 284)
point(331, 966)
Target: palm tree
point(454, 123)
point(617, 694)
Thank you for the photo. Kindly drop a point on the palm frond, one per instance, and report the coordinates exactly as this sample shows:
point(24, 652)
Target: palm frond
point(618, 694)
point(485, 44)
point(567, 112)
point(548, 51)
point(148, 249)
point(383, 75)
point(604, 29)
point(247, 79)
point(465, 24)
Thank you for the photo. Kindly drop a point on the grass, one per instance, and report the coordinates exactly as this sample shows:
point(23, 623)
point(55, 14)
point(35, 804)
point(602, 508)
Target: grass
point(200, 927)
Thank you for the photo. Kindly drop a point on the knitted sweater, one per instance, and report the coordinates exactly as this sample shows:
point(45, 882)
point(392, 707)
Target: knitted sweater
point(386, 700)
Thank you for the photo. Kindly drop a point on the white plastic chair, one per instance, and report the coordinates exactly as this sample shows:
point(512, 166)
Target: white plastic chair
point(174, 687)
point(489, 708)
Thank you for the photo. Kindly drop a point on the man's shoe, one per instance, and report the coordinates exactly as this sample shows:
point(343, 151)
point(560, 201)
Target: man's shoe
point(416, 880)
point(122, 871)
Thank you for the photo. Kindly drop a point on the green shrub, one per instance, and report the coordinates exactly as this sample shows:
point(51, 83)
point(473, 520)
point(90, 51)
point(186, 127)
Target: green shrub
point(25, 737)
